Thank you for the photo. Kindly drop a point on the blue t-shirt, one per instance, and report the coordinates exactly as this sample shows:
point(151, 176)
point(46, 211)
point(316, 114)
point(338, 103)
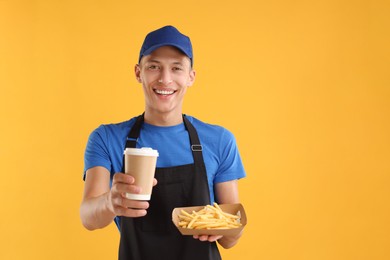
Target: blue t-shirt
point(221, 157)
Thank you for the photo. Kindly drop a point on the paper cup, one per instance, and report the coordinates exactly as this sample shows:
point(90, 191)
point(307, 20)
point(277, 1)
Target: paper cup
point(141, 164)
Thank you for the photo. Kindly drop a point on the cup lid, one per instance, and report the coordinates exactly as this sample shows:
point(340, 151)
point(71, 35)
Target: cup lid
point(144, 151)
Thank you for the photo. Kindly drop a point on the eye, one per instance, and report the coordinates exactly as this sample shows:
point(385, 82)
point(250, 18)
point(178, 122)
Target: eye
point(177, 68)
point(153, 67)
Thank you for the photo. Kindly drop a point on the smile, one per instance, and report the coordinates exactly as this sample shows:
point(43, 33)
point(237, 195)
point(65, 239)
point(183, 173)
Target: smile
point(164, 92)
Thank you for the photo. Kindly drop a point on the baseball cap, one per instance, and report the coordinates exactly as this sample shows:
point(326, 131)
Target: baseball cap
point(166, 36)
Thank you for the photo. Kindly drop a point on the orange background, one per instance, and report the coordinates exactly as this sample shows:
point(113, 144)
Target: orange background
point(303, 85)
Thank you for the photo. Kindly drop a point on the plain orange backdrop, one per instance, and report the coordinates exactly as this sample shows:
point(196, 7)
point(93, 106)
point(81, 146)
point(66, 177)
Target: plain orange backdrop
point(303, 85)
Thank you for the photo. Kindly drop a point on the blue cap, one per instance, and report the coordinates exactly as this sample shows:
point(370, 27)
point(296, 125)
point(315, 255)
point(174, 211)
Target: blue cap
point(166, 36)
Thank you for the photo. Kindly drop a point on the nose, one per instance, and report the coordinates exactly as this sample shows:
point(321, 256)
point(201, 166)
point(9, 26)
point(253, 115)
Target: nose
point(166, 77)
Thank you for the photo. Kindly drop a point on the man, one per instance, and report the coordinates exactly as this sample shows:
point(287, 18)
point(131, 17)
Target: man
point(198, 163)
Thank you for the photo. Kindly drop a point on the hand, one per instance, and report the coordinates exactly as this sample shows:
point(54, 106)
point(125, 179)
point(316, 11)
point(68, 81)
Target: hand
point(207, 238)
point(117, 201)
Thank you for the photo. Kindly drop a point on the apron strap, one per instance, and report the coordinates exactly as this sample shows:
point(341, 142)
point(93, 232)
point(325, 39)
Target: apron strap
point(134, 132)
point(196, 147)
point(202, 180)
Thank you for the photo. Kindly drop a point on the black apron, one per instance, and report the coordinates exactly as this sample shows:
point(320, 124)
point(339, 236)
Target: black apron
point(154, 236)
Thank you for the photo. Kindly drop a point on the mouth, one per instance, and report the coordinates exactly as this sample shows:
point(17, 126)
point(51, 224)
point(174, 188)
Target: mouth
point(165, 92)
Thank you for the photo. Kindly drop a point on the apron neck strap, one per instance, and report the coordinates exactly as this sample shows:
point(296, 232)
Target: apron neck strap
point(196, 147)
point(136, 129)
point(132, 138)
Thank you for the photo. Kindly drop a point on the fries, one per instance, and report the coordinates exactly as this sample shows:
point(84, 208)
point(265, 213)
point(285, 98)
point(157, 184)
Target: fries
point(210, 217)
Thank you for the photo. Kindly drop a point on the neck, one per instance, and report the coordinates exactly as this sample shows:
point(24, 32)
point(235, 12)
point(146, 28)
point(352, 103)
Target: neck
point(163, 119)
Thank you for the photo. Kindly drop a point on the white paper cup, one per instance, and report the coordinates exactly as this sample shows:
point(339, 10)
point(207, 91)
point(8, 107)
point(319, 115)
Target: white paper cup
point(141, 164)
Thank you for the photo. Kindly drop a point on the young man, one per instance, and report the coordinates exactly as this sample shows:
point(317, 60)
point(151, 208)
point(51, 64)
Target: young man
point(198, 163)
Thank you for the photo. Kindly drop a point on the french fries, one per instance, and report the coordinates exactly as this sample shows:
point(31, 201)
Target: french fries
point(210, 217)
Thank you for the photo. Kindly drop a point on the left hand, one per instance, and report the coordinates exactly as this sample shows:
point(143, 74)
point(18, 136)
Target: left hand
point(207, 238)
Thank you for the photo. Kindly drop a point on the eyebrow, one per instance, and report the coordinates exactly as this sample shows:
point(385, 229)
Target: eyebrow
point(157, 61)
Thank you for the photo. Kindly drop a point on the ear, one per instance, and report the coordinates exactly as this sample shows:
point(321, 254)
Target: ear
point(137, 72)
point(191, 78)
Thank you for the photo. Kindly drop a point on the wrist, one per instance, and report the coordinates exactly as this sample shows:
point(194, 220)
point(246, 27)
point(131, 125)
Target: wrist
point(228, 241)
point(108, 206)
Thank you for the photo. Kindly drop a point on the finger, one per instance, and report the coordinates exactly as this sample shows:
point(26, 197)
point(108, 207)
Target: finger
point(154, 182)
point(129, 212)
point(135, 204)
point(123, 178)
point(130, 208)
point(124, 188)
point(203, 237)
point(208, 238)
point(214, 238)
point(135, 213)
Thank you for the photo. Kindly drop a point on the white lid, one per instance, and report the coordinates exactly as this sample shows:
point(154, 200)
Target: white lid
point(144, 151)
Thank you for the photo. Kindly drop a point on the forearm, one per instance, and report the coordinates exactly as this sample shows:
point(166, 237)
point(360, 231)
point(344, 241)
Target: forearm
point(227, 193)
point(95, 213)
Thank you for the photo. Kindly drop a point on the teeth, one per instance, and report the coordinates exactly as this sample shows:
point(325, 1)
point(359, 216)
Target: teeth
point(164, 92)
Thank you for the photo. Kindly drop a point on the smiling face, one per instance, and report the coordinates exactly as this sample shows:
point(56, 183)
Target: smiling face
point(165, 75)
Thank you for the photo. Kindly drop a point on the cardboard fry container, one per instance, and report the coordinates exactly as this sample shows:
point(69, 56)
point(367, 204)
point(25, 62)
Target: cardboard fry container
point(228, 208)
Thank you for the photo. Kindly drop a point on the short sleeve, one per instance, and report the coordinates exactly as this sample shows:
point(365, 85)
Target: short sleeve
point(230, 167)
point(96, 152)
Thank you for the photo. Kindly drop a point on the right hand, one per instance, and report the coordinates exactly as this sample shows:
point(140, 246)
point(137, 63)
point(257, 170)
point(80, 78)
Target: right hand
point(117, 201)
